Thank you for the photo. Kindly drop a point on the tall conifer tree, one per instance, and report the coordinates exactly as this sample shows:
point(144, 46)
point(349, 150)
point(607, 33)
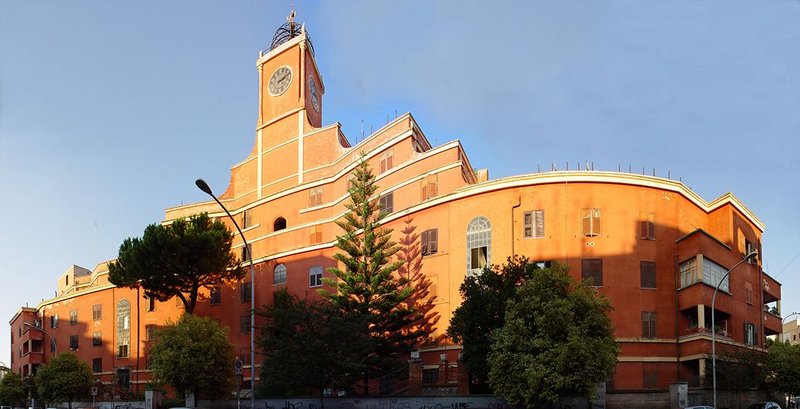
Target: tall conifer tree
point(368, 284)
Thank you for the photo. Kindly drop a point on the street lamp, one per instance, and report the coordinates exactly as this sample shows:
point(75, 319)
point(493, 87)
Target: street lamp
point(713, 324)
point(205, 188)
point(53, 341)
point(783, 321)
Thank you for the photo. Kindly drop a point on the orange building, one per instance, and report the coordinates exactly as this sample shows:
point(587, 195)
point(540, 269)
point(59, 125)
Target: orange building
point(653, 246)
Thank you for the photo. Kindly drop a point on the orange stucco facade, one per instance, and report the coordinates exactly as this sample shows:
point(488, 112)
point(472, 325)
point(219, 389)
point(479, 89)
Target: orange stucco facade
point(651, 241)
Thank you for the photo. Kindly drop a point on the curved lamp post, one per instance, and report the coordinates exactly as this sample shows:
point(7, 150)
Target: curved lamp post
point(205, 188)
point(713, 324)
point(783, 321)
point(53, 341)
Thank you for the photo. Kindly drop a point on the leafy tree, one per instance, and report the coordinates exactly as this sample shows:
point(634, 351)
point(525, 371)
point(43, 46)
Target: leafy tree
point(368, 285)
point(178, 259)
point(309, 346)
point(781, 370)
point(64, 379)
point(557, 339)
point(421, 300)
point(482, 311)
point(194, 355)
point(12, 390)
point(737, 368)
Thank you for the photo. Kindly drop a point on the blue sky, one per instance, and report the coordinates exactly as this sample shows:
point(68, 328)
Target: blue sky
point(110, 110)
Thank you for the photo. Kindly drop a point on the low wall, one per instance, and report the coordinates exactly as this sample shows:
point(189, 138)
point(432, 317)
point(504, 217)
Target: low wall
point(406, 402)
point(135, 404)
point(660, 399)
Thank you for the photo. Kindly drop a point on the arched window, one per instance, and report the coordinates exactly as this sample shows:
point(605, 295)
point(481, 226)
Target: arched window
point(479, 245)
point(123, 328)
point(280, 274)
point(279, 224)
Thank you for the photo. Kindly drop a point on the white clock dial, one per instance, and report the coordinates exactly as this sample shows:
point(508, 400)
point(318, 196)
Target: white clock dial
point(280, 80)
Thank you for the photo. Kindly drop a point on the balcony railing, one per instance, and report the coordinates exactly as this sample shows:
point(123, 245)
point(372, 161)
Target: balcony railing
point(772, 310)
point(721, 332)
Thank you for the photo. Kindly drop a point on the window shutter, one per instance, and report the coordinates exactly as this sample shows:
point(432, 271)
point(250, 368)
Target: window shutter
point(652, 325)
point(746, 335)
point(596, 222)
point(645, 325)
point(539, 232)
point(587, 222)
point(598, 273)
point(433, 241)
point(528, 222)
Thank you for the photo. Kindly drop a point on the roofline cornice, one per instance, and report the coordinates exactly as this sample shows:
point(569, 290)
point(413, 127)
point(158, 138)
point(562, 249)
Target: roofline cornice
point(593, 176)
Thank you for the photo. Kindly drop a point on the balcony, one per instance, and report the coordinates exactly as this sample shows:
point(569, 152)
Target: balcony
point(772, 323)
point(722, 333)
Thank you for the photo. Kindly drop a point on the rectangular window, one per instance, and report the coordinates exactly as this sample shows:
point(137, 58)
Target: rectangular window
point(430, 241)
point(73, 317)
point(54, 321)
point(216, 296)
point(748, 292)
point(315, 276)
point(315, 234)
point(244, 292)
point(647, 226)
point(73, 342)
point(246, 219)
point(124, 379)
point(479, 258)
point(534, 224)
point(150, 332)
point(749, 248)
point(689, 272)
point(648, 324)
point(591, 222)
point(713, 273)
point(247, 252)
point(647, 270)
point(97, 365)
point(97, 312)
point(592, 268)
point(151, 303)
point(315, 197)
point(244, 324)
point(429, 187)
point(387, 202)
point(97, 339)
point(749, 334)
point(430, 376)
point(386, 160)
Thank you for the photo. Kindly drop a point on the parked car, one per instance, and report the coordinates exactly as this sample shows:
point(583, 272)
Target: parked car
point(764, 405)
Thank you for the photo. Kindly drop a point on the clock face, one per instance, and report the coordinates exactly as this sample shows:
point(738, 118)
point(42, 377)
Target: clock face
point(312, 88)
point(280, 80)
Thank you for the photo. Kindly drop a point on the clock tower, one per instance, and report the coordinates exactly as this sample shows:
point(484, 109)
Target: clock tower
point(290, 93)
point(288, 77)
